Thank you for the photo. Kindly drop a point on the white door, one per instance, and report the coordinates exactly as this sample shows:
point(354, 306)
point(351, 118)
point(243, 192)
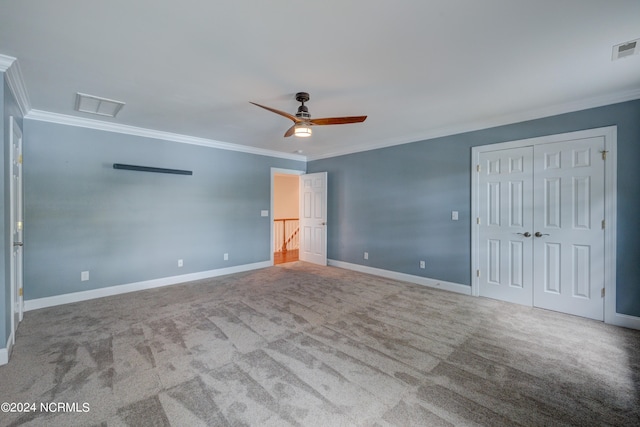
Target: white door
point(568, 248)
point(540, 236)
point(16, 226)
point(505, 222)
point(313, 218)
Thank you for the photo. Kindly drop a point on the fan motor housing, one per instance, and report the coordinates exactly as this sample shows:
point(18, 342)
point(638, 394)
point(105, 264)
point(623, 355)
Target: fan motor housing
point(302, 97)
point(303, 111)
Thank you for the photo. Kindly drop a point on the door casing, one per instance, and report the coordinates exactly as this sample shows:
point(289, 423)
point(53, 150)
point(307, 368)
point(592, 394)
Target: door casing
point(16, 228)
point(275, 171)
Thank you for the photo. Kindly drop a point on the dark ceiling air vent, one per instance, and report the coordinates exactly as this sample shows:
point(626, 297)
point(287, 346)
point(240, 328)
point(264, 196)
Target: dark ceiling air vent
point(626, 49)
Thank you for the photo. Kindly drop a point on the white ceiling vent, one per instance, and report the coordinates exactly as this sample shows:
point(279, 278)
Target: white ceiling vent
point(97, 105)
point(626, 49)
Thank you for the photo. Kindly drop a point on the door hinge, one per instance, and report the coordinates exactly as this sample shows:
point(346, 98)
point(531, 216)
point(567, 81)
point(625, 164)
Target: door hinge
point(477, 168)
point(603, 224)
point(20, 292)
point(604, 154)
point(477, 273)
point(602, 292)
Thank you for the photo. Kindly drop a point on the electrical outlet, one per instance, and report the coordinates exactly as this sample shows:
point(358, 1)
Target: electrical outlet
point(84, 276)
point(366, 255)
point(423, 264)
point(225, 257)
point(454, 215)
point(180, 263)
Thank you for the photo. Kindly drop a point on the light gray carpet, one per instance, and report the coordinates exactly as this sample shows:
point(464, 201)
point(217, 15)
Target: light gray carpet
point(304, 345)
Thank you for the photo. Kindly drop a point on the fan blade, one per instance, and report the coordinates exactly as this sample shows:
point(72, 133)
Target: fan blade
point(338, 120)
point(282, 113)
point(290, 131)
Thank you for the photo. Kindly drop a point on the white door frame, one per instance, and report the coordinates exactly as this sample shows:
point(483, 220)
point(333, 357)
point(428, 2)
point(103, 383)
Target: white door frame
point(610, 137)
point(17, 300)
point(275, 171)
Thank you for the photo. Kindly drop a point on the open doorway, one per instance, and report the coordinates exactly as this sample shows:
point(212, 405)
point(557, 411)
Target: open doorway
point(286, 221)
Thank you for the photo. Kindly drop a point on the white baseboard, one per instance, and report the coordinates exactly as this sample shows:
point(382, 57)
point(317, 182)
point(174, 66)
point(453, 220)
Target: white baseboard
point(624, 320)
point(5, 352)
point(425, 281)
point(35, 304)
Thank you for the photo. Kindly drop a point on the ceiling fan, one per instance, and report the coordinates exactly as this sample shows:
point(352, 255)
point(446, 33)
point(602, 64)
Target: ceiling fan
point(302, 121)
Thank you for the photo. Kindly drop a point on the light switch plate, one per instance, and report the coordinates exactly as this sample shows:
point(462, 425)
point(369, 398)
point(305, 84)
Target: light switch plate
point(454, 215)
point(264, 213)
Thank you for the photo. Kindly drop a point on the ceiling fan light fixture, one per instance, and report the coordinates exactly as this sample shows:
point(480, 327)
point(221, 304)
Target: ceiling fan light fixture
point(303, 121)
point(302, 131)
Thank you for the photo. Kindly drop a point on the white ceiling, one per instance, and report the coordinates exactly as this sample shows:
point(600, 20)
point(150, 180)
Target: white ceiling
point(417, 68)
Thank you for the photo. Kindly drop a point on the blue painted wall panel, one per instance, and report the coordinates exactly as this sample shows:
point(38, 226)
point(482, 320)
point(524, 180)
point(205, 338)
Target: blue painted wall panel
point(396, 202)
point(128, 226)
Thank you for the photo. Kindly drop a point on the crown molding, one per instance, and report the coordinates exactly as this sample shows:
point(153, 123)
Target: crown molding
point(45, 116)
point(5, 62)
point(15, 81)
point(523, 116)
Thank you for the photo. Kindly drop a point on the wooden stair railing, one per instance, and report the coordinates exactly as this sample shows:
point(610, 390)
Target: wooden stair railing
point(285, 240)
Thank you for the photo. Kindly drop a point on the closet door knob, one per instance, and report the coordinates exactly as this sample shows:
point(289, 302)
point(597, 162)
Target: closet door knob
point(539, 234)
point(525, 234)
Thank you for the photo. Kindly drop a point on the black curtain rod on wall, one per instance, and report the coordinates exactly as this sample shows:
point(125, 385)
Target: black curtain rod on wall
point(151, 169)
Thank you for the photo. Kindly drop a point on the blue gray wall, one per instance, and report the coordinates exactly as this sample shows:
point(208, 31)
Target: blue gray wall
point(396, 202)
point(124, 226)
point(8, 107)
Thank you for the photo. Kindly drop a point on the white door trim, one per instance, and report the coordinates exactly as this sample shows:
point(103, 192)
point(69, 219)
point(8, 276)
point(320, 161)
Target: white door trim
point(275, 171)
point(610, 232)
point(17, 301)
